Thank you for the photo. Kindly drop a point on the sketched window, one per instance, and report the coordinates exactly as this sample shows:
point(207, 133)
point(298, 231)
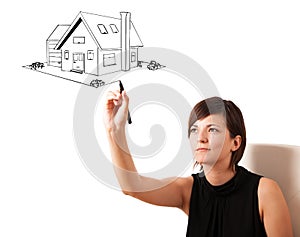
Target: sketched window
point(102, 29)
point(109, 59)
point(66, 54)
point(90, 55)
point(114, 28)
point(133, 57)
point(78, 40)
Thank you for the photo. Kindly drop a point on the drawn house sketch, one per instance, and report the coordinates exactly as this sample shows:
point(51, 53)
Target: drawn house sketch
point(94, 44)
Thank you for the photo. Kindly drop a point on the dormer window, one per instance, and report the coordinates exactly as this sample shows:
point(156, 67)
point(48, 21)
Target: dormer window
point(114, 28)
point(102, 29)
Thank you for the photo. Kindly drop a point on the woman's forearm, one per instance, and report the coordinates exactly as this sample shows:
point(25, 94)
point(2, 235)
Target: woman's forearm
point(115, 119)
point(124, 167)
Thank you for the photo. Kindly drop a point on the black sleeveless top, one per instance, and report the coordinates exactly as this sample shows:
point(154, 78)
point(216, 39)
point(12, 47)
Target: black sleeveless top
point(228, 210)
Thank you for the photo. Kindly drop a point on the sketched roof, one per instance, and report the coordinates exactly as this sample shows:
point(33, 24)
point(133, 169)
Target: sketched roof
point(104, 41)
point(58, 32)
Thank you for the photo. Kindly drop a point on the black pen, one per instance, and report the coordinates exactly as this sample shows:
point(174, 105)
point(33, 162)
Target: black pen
point(122, 89)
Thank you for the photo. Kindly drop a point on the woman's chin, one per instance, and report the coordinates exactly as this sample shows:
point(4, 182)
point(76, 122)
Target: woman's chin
point(206, 161)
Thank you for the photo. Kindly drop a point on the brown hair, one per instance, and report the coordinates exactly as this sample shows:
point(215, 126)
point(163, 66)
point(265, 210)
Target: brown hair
point(233, 116)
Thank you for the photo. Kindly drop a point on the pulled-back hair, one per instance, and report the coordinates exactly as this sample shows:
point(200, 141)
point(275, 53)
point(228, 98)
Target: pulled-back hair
point(233, 116)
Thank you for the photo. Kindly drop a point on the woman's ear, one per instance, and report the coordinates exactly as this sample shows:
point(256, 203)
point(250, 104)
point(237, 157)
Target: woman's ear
point(237, 140)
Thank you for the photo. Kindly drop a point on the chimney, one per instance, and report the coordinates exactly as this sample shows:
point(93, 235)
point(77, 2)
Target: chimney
point(125, 40)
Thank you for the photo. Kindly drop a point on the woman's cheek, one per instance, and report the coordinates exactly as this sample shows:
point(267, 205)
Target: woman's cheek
point(193, 142)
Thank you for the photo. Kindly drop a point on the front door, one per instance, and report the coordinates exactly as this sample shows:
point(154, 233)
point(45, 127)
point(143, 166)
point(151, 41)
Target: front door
point(78, 61)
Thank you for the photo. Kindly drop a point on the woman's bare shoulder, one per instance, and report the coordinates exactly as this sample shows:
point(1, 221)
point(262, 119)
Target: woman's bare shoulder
point(267, 186)
point(273, 209)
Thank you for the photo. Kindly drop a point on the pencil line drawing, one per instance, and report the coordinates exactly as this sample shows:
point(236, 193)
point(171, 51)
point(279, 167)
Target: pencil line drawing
point(93, 44)
point(44, 72)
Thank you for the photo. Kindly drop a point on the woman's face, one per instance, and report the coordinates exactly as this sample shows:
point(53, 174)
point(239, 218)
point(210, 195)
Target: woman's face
point(210, 140)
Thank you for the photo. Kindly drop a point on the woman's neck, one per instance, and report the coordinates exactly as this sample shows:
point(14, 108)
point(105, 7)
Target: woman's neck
point(219, 175)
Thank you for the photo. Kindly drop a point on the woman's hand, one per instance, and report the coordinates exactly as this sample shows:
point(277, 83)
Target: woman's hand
point(115, 110)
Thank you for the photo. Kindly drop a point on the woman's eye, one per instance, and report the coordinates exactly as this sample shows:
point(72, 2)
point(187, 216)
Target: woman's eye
point(193, 130)
point(213, 130)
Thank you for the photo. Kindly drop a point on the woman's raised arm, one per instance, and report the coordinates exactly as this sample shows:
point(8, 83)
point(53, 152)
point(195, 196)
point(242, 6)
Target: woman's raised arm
point(173, 192)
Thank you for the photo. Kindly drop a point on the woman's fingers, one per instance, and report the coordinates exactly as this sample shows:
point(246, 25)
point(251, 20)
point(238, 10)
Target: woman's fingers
point(113, 95)
point(116, 109)
point(113, 98)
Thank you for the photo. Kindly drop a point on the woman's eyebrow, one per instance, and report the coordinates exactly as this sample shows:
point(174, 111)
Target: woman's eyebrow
point(213, 124)
point(208, 125)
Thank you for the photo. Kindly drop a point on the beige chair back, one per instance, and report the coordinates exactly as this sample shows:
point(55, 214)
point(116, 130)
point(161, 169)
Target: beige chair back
point(282, 164)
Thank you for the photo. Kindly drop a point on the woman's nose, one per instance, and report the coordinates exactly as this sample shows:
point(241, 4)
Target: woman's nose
point(202, 137)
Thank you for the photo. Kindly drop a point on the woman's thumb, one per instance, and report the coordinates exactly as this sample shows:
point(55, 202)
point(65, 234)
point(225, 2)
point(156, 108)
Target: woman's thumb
point(125, 98)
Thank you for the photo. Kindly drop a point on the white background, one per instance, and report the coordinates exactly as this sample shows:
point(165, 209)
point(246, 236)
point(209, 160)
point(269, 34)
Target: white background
point(251, 50)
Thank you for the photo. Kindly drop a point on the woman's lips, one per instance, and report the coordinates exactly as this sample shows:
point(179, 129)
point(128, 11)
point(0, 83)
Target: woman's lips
point(202, 149)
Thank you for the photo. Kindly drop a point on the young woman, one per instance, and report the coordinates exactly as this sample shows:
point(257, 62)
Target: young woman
point(224, 199)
